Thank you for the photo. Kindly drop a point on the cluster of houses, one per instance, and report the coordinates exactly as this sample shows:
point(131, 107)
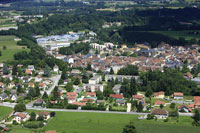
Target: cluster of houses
point(29, 77)
point(110, 56)
point(21, 117)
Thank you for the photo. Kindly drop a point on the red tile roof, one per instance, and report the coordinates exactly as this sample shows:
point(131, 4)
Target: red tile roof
point(137, 96)
point(71, 94)
point(196, 98)
point(159, 93)
point(178, 94)
point(78, 103)
point(159, 102)
point(117, 96)
point(91, 93)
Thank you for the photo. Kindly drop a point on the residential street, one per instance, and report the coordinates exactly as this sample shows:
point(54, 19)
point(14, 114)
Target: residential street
point(68, 110)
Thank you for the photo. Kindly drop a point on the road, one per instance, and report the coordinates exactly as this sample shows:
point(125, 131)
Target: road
point(90, 111)
point(55, 80)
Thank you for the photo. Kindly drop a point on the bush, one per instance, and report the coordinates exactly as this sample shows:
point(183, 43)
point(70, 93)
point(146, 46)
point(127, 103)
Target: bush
point(33, 124)
point(150, 117)
point(14, 122)
point(20, 107)
point(72, 106)
point(172, 105)
point(52, 114)
point(166, 120)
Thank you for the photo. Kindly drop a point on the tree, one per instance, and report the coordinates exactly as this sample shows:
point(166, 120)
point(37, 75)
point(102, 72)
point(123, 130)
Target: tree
point(45, 95)
point(77, 81)
point(31, 93)
point(133, 86)
point(150, 117)
point(20, 107)
point(4, 47)
point(52, 114)
point(32, 116)
point(111, 71)
point(129, 128)
point(172, 105)
point(37, 91)
point(65, 102)
point(0, 53)
point(47, 71)
point(89, 67)
point(149, 92)
point(196, 118)
point(161, 106)
point(40, 118)
point(140, 107)
point(55, 93)
point(69, 87)
point(19, 89)
point(14, 70)
point(5, 69)
point(99, 95)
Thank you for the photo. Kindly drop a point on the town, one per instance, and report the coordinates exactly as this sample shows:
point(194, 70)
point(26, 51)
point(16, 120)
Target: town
point(99, 66)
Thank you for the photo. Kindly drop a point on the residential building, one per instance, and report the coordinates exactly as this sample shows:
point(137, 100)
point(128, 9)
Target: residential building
point(93, 87)
point(160, 94)
point(177, 95)
point(158, 103)
point(117, 96)
point(20, 117)
point(116, 89)
point(46, 115)
point(95, 79)
point(160, 113)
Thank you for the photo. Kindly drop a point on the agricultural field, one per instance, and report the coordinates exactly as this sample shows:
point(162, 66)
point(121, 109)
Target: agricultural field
point(4, 112)
point(177, 34)
point(73, 122)
point(11, 48)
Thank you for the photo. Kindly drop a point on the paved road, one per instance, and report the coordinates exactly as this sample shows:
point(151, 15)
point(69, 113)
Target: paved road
point(55, 80)
point(91, 111)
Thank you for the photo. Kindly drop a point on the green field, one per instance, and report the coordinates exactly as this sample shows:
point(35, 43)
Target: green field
point(4, 112)
point(71, 122)
point(11, 48)
point(177, 34)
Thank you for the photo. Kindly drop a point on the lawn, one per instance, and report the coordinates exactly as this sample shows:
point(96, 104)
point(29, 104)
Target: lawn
point(11, 48)
point(177, 34)
point(4, 112)
point(73, 122)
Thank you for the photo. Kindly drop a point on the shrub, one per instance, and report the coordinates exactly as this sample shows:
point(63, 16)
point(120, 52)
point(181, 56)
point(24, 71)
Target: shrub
point(150, 117)
point(33, 124)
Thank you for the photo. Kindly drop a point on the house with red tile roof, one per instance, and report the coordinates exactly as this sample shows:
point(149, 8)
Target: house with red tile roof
point(160, 113)
point(177, 95)
point(137, 97)
point(80, 104)
point(117, 96)
point(160, 94)
point(46, 115)
point(158, 103)
point(90, 94)
point(20, 117)
point(184, 108)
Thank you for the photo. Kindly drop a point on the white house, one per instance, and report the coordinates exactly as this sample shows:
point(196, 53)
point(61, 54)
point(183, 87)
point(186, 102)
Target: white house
point(93, 87)
point(160, 113)
point(13, 97)
point(55, 68)
point(46, 115)
point(31, 67)
point(95, 80)
point(20, 117)
point(38, 78)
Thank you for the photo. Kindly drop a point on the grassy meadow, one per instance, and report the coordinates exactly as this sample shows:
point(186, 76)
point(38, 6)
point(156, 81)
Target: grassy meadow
point(177, 34)
point(4, 112)
point(79, 122)
point(11, 48)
